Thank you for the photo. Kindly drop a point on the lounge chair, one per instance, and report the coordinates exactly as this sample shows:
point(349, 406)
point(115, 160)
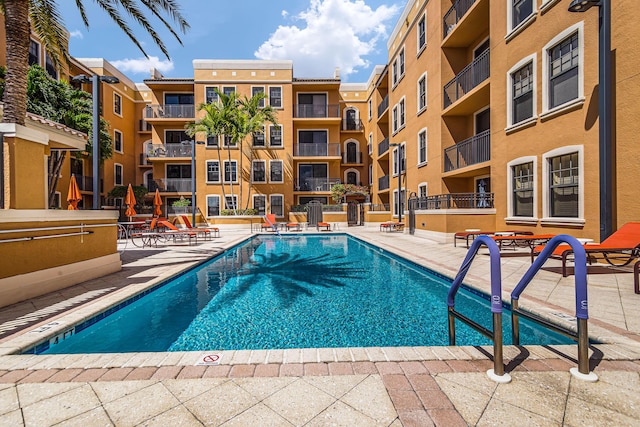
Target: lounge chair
point(471, 235)
point(206, 231)
point(392, 226)
point(325, 225)
point(619, 249)
point(518, 240)
point(295, 226)
point(270, 223)
point(174, 232)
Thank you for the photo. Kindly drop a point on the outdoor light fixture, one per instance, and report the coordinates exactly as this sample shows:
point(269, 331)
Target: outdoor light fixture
point(604, 107)
point(395, 144)
point(95, 83)
point(193, 177)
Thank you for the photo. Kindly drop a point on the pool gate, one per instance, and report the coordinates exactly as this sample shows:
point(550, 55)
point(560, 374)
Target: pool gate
point(580, 273)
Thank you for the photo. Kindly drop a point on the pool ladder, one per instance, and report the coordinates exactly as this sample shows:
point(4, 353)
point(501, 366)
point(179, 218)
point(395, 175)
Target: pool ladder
point(580, 273)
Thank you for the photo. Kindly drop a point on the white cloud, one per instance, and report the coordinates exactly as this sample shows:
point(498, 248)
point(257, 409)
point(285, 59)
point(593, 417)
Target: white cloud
point(76, 34)
point(143, 65)
point(284, 13)
point(334, 33)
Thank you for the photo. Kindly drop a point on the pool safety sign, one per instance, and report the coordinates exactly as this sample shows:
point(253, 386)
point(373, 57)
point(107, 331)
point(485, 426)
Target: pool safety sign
point(208, 360)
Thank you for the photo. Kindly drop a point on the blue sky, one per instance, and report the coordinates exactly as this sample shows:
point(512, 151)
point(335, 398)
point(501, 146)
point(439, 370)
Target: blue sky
point(318, 35)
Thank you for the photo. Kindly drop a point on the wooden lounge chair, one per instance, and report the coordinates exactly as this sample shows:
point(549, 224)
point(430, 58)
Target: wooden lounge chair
point(619, 249)
point(270, 223)
point(206, 231)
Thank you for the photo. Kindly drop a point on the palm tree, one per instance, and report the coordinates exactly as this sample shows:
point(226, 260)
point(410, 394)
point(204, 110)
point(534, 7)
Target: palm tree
point(43, 17)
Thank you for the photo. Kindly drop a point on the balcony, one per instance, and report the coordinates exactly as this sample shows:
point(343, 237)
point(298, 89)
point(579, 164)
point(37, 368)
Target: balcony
point(383, 183)
point(85, 183)
point(354, 157)
point(144, 126)
point(383, 146)
point(169, 150)
point(471, 151)
point(352, 125)
point(470, 77)
point(317, 150)
point(456, 201)
point(455, 14)
point(315, 184)
point(383, 106)
point(310, 111)
point(169, 111)
point(171, 185)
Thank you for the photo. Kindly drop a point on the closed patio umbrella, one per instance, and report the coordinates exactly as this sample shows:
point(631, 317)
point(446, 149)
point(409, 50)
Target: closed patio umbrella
point(130, 201)
point(157, 202)
point(74, 196)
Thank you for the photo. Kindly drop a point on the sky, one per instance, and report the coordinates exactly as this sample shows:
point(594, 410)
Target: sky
point(318, 35)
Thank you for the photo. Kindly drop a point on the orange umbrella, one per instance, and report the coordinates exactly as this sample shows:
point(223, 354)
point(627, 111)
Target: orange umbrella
point(157, 202)
point(74, 196)
point(130, 201)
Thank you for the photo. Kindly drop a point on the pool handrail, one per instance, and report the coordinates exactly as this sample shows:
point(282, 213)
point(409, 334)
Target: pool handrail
point(497, 373)
point(582, 305)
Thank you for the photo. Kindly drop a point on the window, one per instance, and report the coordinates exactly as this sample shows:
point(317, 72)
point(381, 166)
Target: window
point(402, 159)
point(275, 96)
point(277, 204)
point(117, 141)
point(422, 33)
point(34, 53)
point(370, 175)
point(213, 205)
point(275, 170)
point(231, 171)
point(401, 63)
point(258, 138)
point(260, 204)
point(179, 171)
point(352, 177)
point(312, 105)
point(259, 171)
point(275, 135)
point(563, 186)
point(228, 90)
point(522, 187)
point(521, 92)
point(213, 141)
point(394, 72)
point(422, 147)
point(213, 171)
point(117, 104)
point(231, 202)
point(210, 94)
point(370, 109)
point(178, 98)
point(394, 119)
point(422, 92)
point(398, 67)
point(401, 116)
point(57, 197)
point(176, 137)
point(227, 141)
point(521, 10)
point(563, 65)
point(117, 174)
point(395, 202)
point(256, 90)
point(50, 67)
point(422, 190)
point(370, 144)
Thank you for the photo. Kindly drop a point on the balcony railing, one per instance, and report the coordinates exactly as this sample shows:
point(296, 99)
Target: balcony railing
point(317, 150)
point(315, 184)
point(455, 14)
point(171, 185)
point(352, 157)
point(169, 111)
point(384, 104)
point(383, 146)
point(353, 125)
point(85, 183)
point(471, 151)
point(383, 183)
point(144, 126)
point(380, 207)
point(456, 201)
point(169, 150)
point(471, 76)
point(310, 111)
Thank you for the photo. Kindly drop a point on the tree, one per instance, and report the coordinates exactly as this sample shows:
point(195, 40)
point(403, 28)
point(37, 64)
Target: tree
point(43, 17)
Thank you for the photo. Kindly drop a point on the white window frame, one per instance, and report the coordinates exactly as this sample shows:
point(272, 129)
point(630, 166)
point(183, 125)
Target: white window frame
point(235, 89)
point(370, 109)
point(234, 201)
point(426, 189)
point(39, 50)
point(117, 132)
point(370, 143)
point(351, 170)
point(422, 47)
point(534, 112)
point(403, 159)
point(510, 165)
point(210, 146)
point(207, 172)
point(264, 138)
point(262, 101)
point(421, 108)
point(264, 163)
point(271, 204)
point(116, 95)
point(394, 119)
point(271, 162)
point(224, 171)
point(547, 219)
point(281, 145)
point(115, 174)
point(422, 162)
point(253, 202)
point(281, 96)
point(213, 196)
point(402, 113)
point(513, 30)
point(402, 192)
point(370, 174)
point(217, 98)
point(546, 111)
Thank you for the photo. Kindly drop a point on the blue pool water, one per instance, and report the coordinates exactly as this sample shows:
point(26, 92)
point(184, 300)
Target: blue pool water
point(293, 292)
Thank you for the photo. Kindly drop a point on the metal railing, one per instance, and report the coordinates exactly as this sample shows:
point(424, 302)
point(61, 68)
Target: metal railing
point(471, 76)
point(383, 183)
point(379, 207)
point(172, 185)
point(352, 157)
point(383, 146)
point(348, 124)
point(316, 150)
point(455, 14)
point(169, 111)
point(383, 106)
point(456, 201)
point(315, 184)
point(311, 111)
point(169, 150)
point(471, 151)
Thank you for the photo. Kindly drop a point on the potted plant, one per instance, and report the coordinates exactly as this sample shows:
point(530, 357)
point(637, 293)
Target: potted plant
point(180, 205)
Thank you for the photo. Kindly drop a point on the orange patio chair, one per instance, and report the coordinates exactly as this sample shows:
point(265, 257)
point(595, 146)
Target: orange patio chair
point(206, 231)
point(270, 223)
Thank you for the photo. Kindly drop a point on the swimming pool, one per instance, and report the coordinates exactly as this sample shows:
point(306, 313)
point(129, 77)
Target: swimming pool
point(292, 292)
